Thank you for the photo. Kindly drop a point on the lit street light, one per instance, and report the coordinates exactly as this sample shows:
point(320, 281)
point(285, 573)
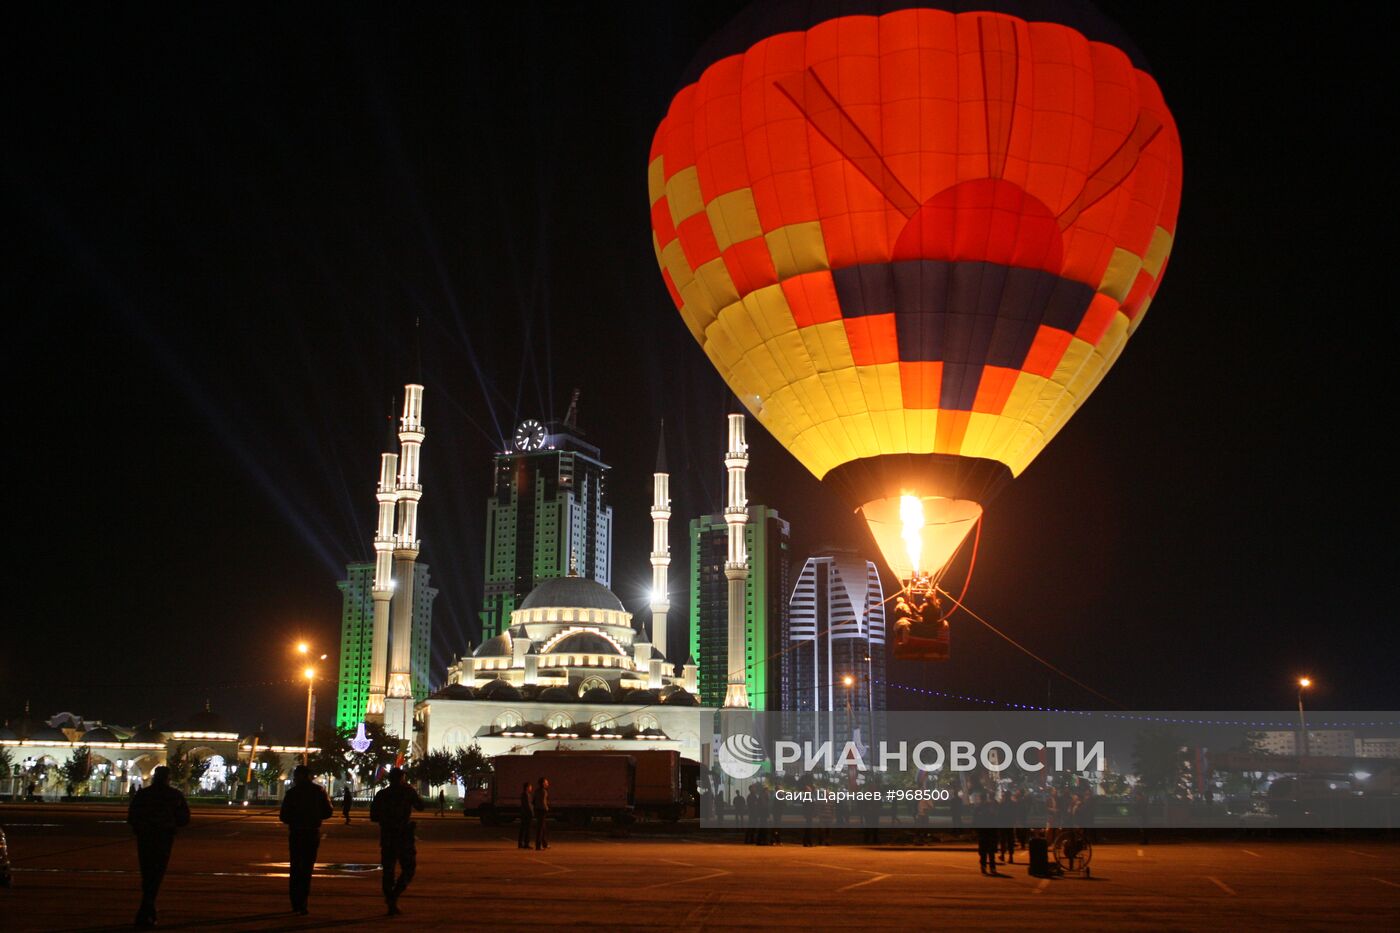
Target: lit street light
point(310, 674)
point(1303, 684)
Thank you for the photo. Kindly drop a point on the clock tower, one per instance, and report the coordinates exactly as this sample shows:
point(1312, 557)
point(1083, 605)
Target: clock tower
point(548, 511)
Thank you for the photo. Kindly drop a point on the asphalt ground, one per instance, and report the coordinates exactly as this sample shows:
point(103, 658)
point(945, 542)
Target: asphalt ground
point(74, 868)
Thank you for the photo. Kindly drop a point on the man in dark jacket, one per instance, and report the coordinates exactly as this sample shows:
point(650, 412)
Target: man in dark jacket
point(985, 819)
point(154, 814)
point(527, 814)
point(304, 808)
point(392, 808)
point(542, 814)
point(346, 802)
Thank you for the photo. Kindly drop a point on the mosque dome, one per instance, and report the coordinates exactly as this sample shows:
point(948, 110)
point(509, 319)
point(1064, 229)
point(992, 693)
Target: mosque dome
point(206, 720)
point(557, 695)
point(584, 643)
point(455, 692)
point(572, 593)
point(148, 733)
point(498, 690)
point(498, 647)
point(46, 733)
point(680, 697)
point(597, 695)
point(641, 696)
point(99, 735)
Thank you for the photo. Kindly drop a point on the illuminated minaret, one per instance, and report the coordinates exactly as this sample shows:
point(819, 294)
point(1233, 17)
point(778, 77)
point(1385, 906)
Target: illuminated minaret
point(399, 714)
point(383, 588)
point(660, 554)
point(736, 565)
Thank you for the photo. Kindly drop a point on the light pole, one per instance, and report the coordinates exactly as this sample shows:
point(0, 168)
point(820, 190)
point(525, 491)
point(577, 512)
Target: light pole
point(310, 674)
point(1303, 684)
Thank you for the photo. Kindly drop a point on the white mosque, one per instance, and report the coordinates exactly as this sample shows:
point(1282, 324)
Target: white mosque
point(572, 670)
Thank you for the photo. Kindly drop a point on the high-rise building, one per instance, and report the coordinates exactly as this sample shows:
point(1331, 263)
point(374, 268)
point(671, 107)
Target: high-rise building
point(766, 663)
point(837, 641)
point(548, 515)
point(357, 636)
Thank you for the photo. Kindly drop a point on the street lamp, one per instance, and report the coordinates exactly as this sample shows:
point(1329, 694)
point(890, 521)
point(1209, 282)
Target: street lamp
point(310, 674)
point(1303, 684)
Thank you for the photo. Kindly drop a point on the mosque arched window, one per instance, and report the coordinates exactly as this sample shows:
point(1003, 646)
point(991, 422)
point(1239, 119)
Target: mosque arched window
point(509, 719)
point(602, 722)
point(559, 720)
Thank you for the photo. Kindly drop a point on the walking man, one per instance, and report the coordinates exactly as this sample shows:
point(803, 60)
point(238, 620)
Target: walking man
point(392, 808)
point(542, 814)
point(154, 814)
point(527, 813)
point(346, 801)
point(984, 818)
point(304, 808)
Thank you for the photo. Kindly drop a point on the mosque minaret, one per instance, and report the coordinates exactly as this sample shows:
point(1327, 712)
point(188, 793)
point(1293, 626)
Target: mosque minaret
point(736, 566)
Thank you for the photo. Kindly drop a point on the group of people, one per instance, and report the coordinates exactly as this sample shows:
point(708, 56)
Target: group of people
point(534, 811)
point(158, 810)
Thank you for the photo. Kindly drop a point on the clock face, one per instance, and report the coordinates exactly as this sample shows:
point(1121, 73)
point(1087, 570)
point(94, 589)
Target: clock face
point(529, 435)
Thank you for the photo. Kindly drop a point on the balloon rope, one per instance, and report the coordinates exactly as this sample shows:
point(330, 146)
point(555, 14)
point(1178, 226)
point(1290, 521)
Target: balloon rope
point(1022, 648)
point(972, 562)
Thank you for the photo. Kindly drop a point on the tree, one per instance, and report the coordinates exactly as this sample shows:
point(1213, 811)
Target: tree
point(7, 765)
point(434, 768)
point(1246, 783)
point(270, 774)
point(471, 766)
point(1157, 758)
point(77, 769)
point(333, 752)
point(184, 767)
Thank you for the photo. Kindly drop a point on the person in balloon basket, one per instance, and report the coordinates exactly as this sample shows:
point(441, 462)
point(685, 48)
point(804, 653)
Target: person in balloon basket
point(305, 807)
point(154, 814)
point(527, 814)
point(392, 808)
point(542, 814)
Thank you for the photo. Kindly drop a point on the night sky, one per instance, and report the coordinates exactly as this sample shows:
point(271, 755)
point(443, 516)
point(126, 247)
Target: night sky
point(223, 225)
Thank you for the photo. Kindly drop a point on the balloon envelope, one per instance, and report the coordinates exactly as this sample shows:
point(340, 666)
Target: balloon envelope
point(913, 240)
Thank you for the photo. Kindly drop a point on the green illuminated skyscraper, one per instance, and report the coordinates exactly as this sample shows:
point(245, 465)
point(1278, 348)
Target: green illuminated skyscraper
point(356, 635)
point(766, 594)
point(548, 514)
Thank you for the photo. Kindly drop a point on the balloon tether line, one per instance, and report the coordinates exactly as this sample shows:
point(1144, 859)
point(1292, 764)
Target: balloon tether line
point(1022, 648)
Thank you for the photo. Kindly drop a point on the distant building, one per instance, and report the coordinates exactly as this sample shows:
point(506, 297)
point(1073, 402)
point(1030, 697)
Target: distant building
point(548, 515)
point(837, 624)
point(767, 665)
point(1339, 743)
point(1388, 747)
point(356, 639)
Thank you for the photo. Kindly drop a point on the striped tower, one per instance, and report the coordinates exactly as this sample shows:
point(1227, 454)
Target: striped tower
point(736, 565)
point(382, 590)
point(660, 557)
point(399, 712)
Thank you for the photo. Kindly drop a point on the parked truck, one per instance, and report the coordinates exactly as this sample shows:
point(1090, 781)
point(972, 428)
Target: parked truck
point(665, 782)
point(581, 786)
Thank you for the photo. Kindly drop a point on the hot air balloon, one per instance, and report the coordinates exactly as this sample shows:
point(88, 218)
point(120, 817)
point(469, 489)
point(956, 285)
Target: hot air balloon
point(913, 240)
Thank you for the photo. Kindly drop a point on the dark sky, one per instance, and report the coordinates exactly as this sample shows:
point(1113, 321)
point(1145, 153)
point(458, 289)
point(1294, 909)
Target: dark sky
point(223, 223)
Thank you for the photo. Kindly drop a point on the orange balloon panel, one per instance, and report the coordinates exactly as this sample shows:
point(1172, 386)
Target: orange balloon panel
point(918, 238)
